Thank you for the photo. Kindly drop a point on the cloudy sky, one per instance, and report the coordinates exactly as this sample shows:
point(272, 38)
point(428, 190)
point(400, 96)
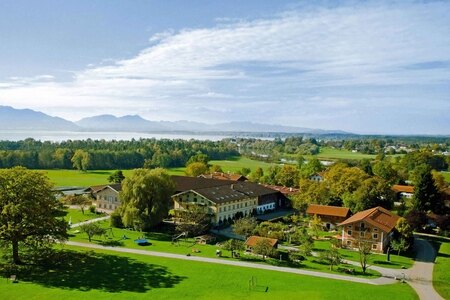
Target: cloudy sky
point(364, 67)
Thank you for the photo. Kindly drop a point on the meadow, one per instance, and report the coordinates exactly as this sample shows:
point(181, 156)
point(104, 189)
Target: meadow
point(78, 274)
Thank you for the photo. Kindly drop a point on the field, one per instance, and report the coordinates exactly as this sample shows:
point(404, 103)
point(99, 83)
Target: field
point(96, 177)
point(441, 272)
point(100, 275)
point(77, 216)
point(238, 163)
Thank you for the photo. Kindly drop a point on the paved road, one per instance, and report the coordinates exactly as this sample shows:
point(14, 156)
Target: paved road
point(377, 281)
point(420, 276)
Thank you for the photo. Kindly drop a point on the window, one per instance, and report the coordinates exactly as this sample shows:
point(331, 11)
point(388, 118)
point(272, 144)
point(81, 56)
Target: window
point(361, 234)
point(245, 204)
point(362, 225)
point(375, 236)
point(375, 229)
point(349, 243)
point(349, 226)
point(349, 232)
point(374, 246)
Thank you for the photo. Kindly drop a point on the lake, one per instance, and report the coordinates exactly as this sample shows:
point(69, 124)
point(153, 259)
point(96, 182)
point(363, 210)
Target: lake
point(59, 136)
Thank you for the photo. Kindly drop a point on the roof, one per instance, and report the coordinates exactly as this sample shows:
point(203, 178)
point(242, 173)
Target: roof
point(326, 210)
point(253, 189)
point(97, 188)
point(253, 240)
point(377, 217)
point(398, 188)
point(225, 176)
point(186, 183)
point(282, 189)
point(221, 194)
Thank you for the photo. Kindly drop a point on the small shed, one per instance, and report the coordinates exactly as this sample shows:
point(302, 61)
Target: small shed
point(253, 240)
point(205, 239)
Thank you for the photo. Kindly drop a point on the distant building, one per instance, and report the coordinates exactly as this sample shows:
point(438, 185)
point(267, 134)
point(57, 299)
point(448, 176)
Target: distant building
point(375, 225)
point(403, 191)
point(225, 176)
point(318, 177)
point(329, 215)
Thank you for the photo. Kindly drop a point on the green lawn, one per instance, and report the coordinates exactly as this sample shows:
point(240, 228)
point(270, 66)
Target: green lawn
point(78, 274)
point(77, 216)
point(441, 271)
point(396, 262)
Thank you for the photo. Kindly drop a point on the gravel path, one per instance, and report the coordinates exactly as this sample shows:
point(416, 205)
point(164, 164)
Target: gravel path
point(89, 221)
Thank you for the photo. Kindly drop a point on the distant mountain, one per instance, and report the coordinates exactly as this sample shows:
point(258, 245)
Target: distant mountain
point(126, 123)
point(27, 119)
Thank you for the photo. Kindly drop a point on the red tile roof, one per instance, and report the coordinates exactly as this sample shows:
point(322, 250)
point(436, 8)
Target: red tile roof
point(326, 210)
point(282, 189)
point(251, 241)
point(377, 217)
point(402, 188)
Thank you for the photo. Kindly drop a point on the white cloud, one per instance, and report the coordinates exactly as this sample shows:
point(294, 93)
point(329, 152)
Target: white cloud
point(265, 70)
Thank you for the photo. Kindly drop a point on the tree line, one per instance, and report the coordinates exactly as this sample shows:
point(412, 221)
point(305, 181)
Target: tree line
point(101, 154)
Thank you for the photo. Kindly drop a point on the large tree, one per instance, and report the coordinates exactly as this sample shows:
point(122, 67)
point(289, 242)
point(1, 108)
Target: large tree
point(245, 226)
point(426, 196)
point(196, 168)
point(81, 160)
point(194, 221)
point(28, 210)
point(145, 198)
point(116, 177)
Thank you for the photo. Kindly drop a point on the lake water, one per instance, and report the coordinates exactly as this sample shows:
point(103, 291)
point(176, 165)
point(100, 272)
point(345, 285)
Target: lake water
point(58, 136)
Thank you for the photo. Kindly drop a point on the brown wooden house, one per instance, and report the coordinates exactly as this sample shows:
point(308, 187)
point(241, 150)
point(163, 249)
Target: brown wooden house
point(375, 225)
point(329, 215)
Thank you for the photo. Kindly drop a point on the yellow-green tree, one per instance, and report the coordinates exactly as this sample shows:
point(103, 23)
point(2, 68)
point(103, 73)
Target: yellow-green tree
point(27, 210)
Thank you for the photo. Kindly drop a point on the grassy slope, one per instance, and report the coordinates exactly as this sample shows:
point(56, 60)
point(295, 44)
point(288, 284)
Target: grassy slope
point(107, 275)
point(441, 272)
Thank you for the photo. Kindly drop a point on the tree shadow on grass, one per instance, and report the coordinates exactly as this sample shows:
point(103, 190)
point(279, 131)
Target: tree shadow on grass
point(97, 271)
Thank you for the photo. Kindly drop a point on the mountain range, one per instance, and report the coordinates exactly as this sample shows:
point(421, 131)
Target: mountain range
point(27, 119)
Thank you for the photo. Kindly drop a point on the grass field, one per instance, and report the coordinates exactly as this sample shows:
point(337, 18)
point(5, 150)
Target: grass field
point(78, 274)
point(240, 162)
point(332, 154)
point(441, 271)
point(96, 177)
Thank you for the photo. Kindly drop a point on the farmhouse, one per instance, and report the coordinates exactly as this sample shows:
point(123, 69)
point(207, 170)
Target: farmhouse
point(106, 196)
point(318, 177)
point(223, 202)
point(375, 225)
point(329, 215)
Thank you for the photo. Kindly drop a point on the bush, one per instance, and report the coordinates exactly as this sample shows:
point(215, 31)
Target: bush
point(116, 220)
point(92, 209)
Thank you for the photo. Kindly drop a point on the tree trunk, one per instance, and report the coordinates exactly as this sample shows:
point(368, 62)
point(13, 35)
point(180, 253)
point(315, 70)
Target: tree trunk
point(15, 248)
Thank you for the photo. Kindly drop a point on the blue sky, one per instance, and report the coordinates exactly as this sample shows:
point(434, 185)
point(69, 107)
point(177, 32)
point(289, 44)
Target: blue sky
point(364, 67)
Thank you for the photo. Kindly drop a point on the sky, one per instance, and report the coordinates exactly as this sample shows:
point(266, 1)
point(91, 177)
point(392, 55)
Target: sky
point(378, 67)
